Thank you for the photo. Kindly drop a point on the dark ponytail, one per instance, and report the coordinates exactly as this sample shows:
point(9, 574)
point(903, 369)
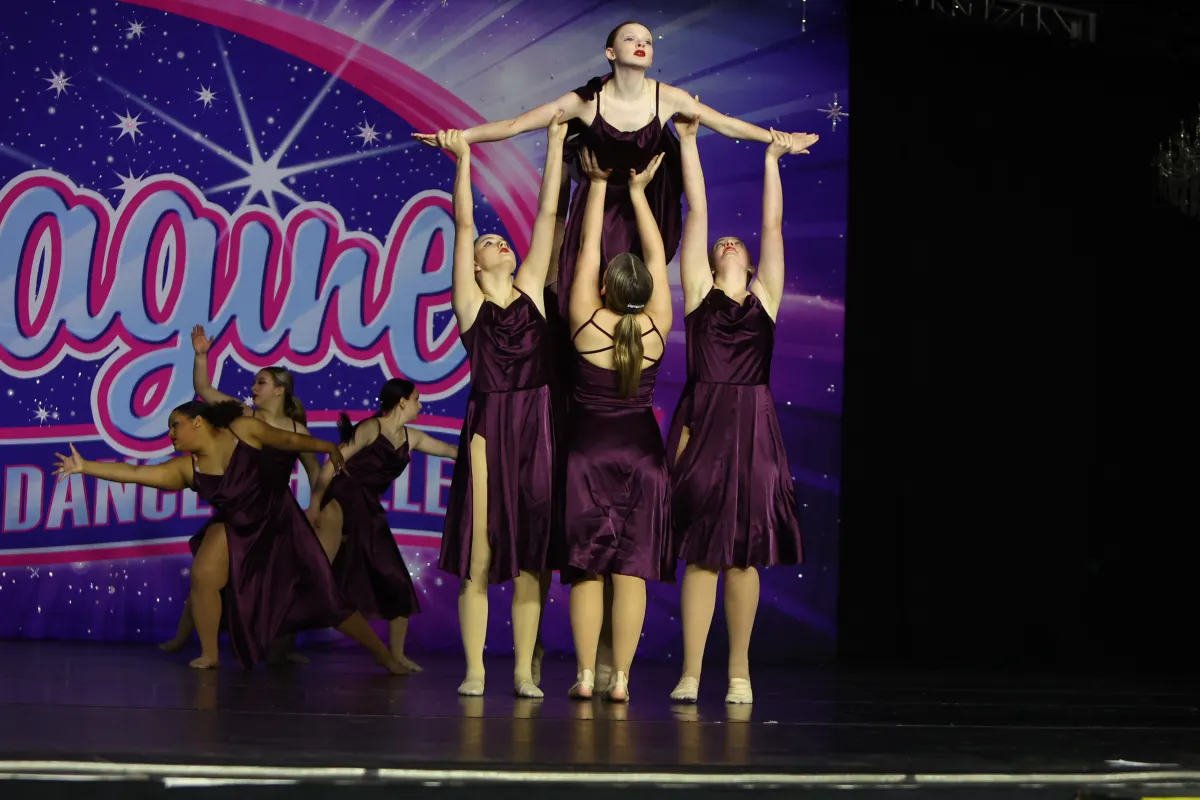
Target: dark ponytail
point(293, 409)
point(345, 428)
point(390, 395)
point(218, 415)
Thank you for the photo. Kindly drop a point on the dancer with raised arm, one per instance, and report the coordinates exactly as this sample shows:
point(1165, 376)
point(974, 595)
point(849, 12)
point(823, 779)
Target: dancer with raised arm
point(499, 522)
point(276, 404)
point(279, 577)
point(734, 502)
point(622, 118)
point(618, 507)
point(350, 519)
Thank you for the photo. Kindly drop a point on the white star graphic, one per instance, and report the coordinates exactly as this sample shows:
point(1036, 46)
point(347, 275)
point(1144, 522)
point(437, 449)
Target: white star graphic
point(42, 414)
point(129, 182)
point(135, 29)
point(59, 83)
point(367, 133)
point(205, 95)
point(128, 125)
point(834, 111)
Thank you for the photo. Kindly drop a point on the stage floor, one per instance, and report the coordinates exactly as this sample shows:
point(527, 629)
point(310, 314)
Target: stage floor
point(340, 716)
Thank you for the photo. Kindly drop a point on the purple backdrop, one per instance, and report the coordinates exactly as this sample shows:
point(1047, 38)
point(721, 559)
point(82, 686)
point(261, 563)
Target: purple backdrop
point(247, 165)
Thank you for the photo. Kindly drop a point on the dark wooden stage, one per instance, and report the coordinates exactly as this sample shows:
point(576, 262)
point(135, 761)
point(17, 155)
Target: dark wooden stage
point(337, 725)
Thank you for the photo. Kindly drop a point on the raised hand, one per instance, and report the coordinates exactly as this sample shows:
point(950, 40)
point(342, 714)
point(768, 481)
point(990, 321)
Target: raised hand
point(556, 131)
point(687, 126)
point(638, 180)
point(69, 465)
point(781, 143)
point(453, 141)
point(339, 461)
point(200, 342)
point(802, 141)
point(591, 168)
point(426, 138)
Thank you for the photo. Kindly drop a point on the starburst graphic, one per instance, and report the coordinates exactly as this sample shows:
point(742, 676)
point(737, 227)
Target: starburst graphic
point(44, 413)
point(58, 83)
point(834, 111)
point(135, 30)
point(129, 182)
point(266, 177)
point(367, 133)
point(205, 95)
point(129, 125)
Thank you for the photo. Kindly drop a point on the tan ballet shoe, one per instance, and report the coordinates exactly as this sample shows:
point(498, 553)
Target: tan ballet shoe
point(471, 687)
point(585, 684)
point(739, 692)
point(686, 691)
point(528, 690)
point(618, 690)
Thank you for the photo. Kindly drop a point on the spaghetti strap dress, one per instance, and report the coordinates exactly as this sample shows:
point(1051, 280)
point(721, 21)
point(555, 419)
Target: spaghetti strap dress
point(618, 500)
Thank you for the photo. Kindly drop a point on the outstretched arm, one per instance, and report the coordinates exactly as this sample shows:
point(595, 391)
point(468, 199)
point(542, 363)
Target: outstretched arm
point(680, 102)
point(424, 443)
point(570, 104)
point(560, 227)
point(201, 382)
point(256, 433)
point(653, 253)
point(465, 295)
point(364, 434)
point(585, 294)
point(531, 277)
point(171, 476)
point(770, 260)
point(693, 252)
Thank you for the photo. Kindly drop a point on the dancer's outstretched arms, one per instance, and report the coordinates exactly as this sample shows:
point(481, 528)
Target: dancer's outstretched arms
point(585, 288)
point(201, 382)
point(256, 433)
point(424, 443)
point(465, 295)
point(171, 476)
point(653, 253)
point(570, 104)
point(560, 227)
point(364, 434)
point(531, 277)
point(770, 260)
point(677, 101)
point(694, 271)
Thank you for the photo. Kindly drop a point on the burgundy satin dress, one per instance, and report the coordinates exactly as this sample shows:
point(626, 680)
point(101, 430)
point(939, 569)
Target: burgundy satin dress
point(368, 567)
point(621, 151)
point(509, 407)
point(734, 503)
point(279, 577)
point(618, 501)
point(278, 465)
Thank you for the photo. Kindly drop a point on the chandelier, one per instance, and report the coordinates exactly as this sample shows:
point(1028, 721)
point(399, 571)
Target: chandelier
point(1177, 167)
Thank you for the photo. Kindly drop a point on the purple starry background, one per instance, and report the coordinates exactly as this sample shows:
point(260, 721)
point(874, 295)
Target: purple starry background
point(774, 64)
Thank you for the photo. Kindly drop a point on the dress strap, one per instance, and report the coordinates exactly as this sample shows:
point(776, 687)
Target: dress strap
point(657, 86)
point(294, 426)
point(591, 321)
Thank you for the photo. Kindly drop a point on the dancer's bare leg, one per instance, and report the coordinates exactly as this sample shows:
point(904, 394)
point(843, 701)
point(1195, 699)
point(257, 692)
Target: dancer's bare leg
point(397, 633)
point(472, 593)
point(210, 573)
point(358, 629)
point(741, 606)
point(587, 617)
point(628, 616)
point(526, 613)
point(699, 599)
point(539, 650)
point(604, 653)
point(329, 531)
point(183, 630)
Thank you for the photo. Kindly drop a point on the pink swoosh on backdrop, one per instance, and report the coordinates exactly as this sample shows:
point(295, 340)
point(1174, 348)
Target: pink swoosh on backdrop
point(509, 181)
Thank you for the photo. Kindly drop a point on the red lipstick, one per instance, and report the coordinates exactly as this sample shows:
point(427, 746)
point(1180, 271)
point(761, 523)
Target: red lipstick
point(640, 53)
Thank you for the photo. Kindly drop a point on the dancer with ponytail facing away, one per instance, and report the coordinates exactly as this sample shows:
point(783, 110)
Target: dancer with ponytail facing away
point(279, 579)
point(275, 403)
point(501, 512)
point(351, 521)
point(618, 506)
